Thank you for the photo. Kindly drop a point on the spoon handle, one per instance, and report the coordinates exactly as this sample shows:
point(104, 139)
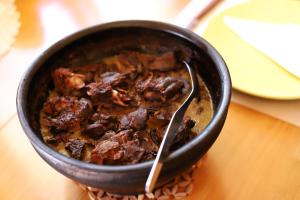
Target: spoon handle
point(170, 133)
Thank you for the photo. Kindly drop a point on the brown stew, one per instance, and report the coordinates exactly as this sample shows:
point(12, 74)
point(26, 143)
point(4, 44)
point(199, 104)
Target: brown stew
point(116, 112)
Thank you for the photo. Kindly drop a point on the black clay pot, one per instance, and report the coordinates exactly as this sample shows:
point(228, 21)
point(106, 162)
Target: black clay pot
point(89, 46)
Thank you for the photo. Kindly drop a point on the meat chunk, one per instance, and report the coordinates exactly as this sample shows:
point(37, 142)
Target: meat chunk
point(65, 113)
point(68, 83)
point(120, 97)
point(159, 119)
point(106, 152)
point(110, 152)
point(146, 143)
point(102, 93)
point(107, 135)
point(160, 89)
point(75, 147)
point(101, 123)
point(183, 135)
point(145, 83)
point(136, 119)
point(113, 78)
point(133, 152)
point(99, 92)
point(119, 149)
point(123, 136)
point(169, 86)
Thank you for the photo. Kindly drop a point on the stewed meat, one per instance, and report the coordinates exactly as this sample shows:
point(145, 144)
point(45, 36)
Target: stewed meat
point(75, 147)
point(65, 113)
point(183, 134)
point(113, 78)
point(159, 118)
point(99, 92)
point(100, 123)
point(68, 83)
point(136, 120)
point(120, 97)
point(103, 93)
point(119, 148)
point(160, 88)
point(116, 111)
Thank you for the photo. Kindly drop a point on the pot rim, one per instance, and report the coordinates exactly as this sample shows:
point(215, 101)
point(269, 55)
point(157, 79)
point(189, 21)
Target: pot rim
point(191, 37)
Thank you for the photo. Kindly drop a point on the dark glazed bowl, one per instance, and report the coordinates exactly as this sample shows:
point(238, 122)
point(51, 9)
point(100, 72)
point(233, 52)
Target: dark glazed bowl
point(90, 45)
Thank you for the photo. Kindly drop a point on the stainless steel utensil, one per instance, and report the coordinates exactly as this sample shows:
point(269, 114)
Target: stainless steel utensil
point(171, 131)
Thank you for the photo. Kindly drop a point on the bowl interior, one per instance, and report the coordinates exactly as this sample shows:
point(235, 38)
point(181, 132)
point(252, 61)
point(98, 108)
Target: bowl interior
point(90, 46)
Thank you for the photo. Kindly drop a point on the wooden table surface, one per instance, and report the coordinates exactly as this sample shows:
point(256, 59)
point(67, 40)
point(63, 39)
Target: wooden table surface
point(255, 157)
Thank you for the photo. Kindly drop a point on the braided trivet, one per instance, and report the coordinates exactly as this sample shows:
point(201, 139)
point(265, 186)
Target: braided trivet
point(178, 188)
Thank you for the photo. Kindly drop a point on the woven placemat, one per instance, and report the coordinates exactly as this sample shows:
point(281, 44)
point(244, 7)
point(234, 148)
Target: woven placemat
point(178, 188)
point(9, 24)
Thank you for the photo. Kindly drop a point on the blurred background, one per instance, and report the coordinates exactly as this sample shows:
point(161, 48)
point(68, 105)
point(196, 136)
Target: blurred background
point(27, 28)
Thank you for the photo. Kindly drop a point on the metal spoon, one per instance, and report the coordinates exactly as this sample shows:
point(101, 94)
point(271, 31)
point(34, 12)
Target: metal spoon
point(171, 131)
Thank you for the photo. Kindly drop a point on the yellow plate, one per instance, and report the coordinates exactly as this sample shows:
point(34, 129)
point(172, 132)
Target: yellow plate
point(250, 70)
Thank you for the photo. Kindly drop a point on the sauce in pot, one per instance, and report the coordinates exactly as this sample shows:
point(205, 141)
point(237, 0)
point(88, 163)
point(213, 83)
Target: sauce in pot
point(115, 112)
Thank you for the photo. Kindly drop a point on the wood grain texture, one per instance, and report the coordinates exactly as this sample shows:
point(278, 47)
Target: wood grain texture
point(255, 157)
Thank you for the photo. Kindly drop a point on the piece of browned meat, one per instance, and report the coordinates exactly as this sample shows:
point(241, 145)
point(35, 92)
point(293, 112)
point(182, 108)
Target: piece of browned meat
point(108, 134)
point(160, 88)
point(68, 83)
point(119, 149)
point(65, 113)
point(75, 147)
point(123, 136)
point(103, 93)
point(169, 86)
point(136, 120)
point(183, 135)
point(99, 92)
point(120, 97)
point(133, 152)
point(101, 123)
point(106, 152)
point(113, 78)
point(159, 118)
point(146, 143)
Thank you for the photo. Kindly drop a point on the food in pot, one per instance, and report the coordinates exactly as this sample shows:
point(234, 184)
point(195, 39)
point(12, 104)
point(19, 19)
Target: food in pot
point(116, 112)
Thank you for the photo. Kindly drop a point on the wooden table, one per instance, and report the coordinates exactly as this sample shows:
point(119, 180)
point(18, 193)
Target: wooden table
point(255, 157)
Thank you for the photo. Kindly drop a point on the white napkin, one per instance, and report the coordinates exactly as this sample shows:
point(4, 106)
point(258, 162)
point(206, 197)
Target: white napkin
point(279, 42)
